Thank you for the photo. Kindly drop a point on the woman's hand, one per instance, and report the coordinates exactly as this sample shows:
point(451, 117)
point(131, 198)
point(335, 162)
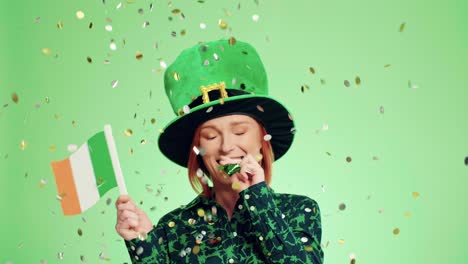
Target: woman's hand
point(251, 172)
point(131, 220)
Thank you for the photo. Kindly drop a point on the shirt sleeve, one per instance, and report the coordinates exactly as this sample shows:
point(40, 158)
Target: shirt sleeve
point(151, 250)
point(292, 238)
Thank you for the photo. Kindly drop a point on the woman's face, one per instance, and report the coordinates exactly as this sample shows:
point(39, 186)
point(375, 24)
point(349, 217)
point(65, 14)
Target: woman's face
point(231, 136)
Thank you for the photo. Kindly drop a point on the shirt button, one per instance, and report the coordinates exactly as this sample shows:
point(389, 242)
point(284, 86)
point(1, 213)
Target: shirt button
point(231, 260)
point(234, 234)
point(240, 207)
point(247, 196)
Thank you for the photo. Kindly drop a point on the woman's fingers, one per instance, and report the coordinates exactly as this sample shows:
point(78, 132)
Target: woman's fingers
point(123, 215)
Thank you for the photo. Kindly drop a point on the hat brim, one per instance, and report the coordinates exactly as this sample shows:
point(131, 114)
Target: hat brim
point(176, 139)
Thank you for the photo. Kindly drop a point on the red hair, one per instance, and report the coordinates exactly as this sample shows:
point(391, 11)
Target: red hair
point(195, 162)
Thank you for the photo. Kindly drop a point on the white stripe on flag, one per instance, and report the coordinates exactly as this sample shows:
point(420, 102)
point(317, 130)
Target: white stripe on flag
point(83, 174)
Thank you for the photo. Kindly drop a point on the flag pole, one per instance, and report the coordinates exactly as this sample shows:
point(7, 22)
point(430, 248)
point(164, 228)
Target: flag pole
point(115, 159)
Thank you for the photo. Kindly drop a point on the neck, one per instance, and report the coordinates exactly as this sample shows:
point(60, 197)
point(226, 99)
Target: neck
point(226, 197)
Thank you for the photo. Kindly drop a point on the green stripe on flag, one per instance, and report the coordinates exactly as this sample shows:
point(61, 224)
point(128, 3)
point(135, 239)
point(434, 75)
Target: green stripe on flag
point(102, 164)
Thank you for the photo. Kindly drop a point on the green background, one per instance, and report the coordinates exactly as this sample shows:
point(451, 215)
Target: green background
point(417, 75)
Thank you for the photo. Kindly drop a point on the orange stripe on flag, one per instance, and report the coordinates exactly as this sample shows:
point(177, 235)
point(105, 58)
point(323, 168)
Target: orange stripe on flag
point(66, 187)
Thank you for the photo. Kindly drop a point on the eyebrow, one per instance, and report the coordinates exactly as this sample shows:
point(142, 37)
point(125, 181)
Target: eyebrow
point(234, 123)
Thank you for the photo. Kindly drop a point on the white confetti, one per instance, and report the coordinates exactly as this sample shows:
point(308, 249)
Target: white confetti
point(255, 18)
point(202, 25)
point(72, 147)
point(108, 28)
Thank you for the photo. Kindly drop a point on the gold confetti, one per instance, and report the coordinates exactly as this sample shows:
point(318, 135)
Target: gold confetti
point(60, 25)
point(312, 70)
point(396, 231)
point(402, 27)
point(308, 248)
point(415, 195)
point(128, 132)
point(232, 41)
point(236, 185)
point(139, 55)
point(130, 151)
point(341, 241)
point(304, 87)
point(52, 148)
point(176, 76)
point(183, 32)
point(142, 236)
point(143, 142)
point(357, 80)
point(175, 11)
point(80, 232)
point(46, 51)
point(201, 212)
point(222, 24)
point(196, 249)
point(153, 121)
point(408, 214)
point(14, 98)
point(23, 144)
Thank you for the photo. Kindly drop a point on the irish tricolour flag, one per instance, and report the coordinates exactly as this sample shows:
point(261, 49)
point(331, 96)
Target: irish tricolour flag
point(84, 177)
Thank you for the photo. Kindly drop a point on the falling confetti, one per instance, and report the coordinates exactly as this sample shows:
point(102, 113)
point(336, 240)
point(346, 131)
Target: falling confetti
point(60, 255)
point(357, 80)
point(348, 159)
point(90, 25)
point(108, 28)
point(163, 64)
point(139, 55)
point(341, 241)
point(347, 83)
point(402, 27)
point(89, 59)
point(304, 88)
point(396, 231)
point(312, 70)
point(46, 51)
point(466, 160)
point(255, 18)
point(52, 148)
point(128, 132)
point(60, 25)
point(23, 144)
point(222, 24)
point(14, 98)
point(202, 25)
point(267, 137)
point(407, 214)
point(79, 14)
point(381, 109)
point(342, 207)
point(113, 46)
point(80, 232)
point(114, 83)
point(415, 195)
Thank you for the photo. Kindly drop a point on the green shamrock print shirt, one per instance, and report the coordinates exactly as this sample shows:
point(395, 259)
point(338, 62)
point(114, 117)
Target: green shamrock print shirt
point(265, 227)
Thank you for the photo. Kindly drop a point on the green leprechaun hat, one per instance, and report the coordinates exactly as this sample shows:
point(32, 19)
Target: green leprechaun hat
point(215, 79)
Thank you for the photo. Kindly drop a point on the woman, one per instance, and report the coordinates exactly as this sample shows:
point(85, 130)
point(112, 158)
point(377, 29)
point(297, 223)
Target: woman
point(237, 217)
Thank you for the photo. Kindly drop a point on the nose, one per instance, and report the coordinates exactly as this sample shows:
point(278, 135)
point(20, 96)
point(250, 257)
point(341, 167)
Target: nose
point(227, 144)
